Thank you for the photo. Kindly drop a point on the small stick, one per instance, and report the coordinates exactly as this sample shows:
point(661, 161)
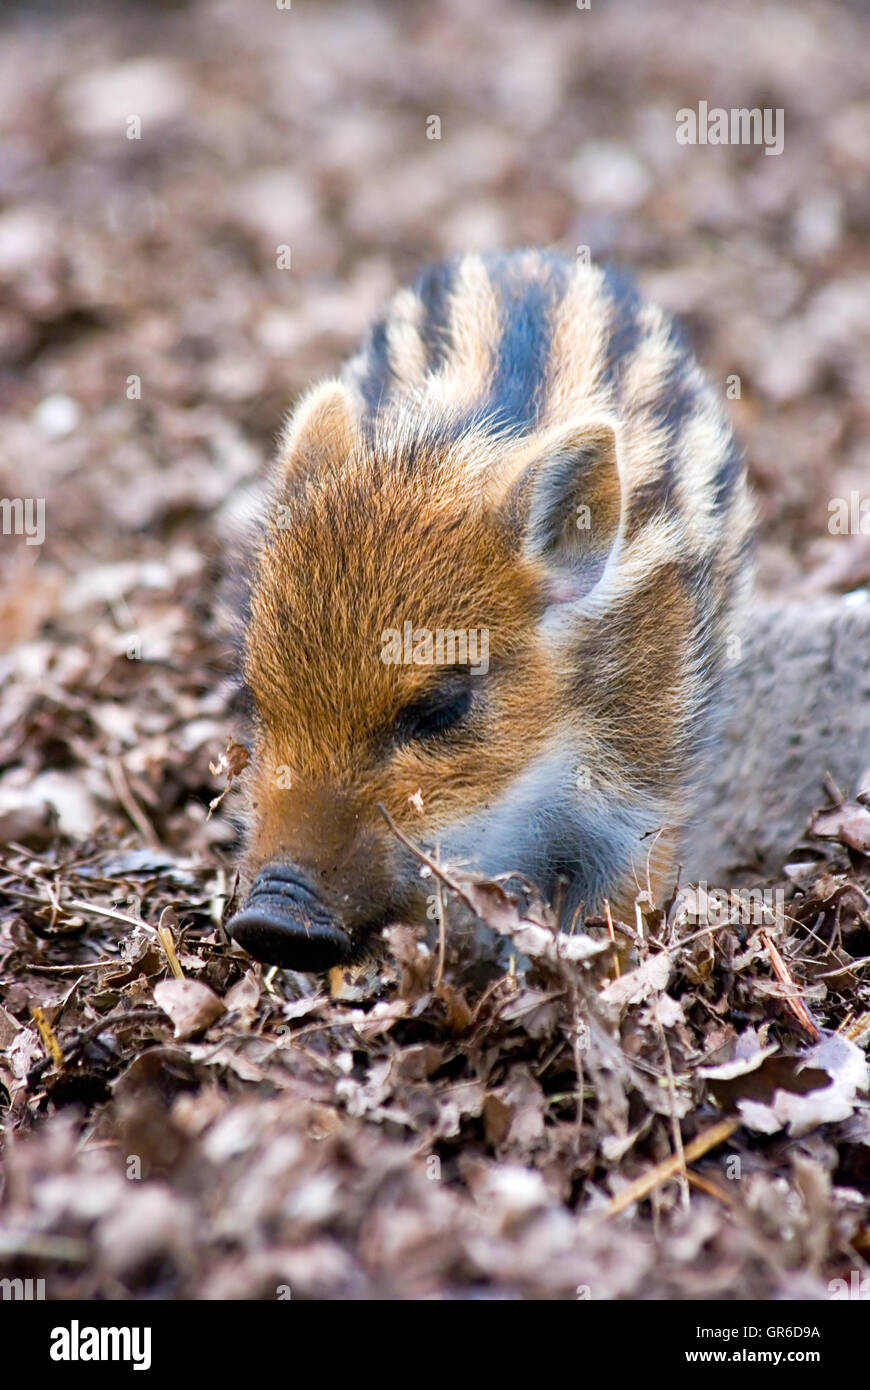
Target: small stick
point(425, 859)
point(612, 936)
point(442, 932)
point(81, 905)
point(164, 932)
point(853, 1028)
point(118, 778)
point(713, 1189)
point(663, 1172)
point(797, 1005)
point(577, 1042)
point(676, 1132)
point(46, 1032)
point(65, 969)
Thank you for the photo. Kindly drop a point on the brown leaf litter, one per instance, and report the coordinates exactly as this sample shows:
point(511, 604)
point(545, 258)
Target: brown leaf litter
point(658, 1108)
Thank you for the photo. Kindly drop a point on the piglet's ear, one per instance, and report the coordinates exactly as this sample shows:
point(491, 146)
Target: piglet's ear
point(564, 500)
point(323, 429)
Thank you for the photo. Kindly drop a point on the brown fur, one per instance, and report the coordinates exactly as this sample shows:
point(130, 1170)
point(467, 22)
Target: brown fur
point(440, 483)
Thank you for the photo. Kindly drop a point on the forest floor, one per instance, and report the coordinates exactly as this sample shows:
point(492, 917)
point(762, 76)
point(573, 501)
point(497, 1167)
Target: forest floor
point(176, 1121)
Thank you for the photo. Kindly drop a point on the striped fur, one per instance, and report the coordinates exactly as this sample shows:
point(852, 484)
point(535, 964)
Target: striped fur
point(438, 480)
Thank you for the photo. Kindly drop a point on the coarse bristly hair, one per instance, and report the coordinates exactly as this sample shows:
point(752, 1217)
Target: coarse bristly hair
point(523, 446)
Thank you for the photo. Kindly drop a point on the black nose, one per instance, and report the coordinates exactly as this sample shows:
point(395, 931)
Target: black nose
point(284, 922)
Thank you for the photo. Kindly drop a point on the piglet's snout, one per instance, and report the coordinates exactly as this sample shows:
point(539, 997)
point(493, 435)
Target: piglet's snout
point(284, 922)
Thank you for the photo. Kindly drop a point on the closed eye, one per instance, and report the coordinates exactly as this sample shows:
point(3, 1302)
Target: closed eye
point(435, 712)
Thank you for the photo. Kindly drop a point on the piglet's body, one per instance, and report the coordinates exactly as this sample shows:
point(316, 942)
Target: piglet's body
point(498, 595)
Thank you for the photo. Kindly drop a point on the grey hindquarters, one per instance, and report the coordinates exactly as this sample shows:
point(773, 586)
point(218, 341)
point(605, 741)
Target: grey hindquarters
point(800, 709)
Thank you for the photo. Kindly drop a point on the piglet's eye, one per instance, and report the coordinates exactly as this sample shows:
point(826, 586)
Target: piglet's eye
point(435, 712)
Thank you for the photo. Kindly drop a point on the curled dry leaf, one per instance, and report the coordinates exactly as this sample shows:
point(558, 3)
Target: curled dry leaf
point(637, 985)
point(9, 1028)
point(773, 1092)
point(191, 1005)
point(231, 763)
point(244, 997)
point(849, 823)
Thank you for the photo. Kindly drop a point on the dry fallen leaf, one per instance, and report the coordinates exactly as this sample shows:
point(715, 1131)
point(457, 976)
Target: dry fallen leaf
point(231, 763)
point(849, 823)
point(244, 997)
point(336, 1147)
point(192, 1006)
point(636, 985)
point(799, 1093)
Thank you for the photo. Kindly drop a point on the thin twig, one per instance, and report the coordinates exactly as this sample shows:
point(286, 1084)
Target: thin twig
point(118, 778)
point(612, 936)
point(676, 1132)
point(663, 1172)
point(442, 931)
point(713, 1189)
point(81, 905)
point(795, 1004)
point(425, 859)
